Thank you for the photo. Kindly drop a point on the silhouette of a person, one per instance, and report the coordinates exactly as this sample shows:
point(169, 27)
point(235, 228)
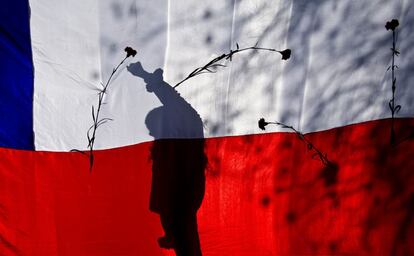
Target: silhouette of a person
point(178, 179)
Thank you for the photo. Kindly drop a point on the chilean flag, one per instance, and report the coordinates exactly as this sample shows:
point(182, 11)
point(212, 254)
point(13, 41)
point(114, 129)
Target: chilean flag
point(187, 171)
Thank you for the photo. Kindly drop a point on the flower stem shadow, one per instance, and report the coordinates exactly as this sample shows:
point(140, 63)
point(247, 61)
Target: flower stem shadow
point(97, 120)
point(213, 64)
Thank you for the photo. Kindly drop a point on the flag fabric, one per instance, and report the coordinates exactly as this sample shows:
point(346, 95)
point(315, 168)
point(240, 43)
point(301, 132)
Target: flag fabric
point(337, 186)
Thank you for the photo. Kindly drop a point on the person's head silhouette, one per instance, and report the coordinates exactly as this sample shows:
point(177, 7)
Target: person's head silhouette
point(153, 122)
